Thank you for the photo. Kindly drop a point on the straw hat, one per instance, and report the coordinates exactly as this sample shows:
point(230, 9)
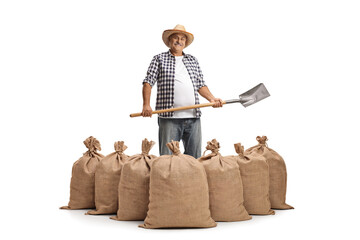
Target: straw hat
point(177, 29)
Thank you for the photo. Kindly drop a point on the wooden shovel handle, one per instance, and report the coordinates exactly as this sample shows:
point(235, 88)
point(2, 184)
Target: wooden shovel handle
point(177, 109)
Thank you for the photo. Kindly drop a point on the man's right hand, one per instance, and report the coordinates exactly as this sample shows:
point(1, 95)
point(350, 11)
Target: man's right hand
point(147, 111)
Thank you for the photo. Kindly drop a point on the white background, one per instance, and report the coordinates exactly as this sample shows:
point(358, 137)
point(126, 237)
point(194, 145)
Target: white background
point(73, 69)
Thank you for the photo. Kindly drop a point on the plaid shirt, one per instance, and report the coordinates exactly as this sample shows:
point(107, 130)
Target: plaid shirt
point(162, 70)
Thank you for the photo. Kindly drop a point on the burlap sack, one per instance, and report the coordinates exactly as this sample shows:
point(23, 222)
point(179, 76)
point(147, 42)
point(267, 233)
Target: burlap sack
point(133, 191)
point(179, 194)
point(225, 185)
point(82, 186)
point(256, 182)
point(107, 177)
point(278, 175)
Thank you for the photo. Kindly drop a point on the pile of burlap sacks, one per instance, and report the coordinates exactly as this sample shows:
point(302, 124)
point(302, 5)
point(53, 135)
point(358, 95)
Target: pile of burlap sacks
point(179, 191)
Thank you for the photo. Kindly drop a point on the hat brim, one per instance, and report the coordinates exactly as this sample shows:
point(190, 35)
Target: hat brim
point(168, 33)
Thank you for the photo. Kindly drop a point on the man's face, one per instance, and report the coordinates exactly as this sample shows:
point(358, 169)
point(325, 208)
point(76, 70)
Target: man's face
point(177, 42)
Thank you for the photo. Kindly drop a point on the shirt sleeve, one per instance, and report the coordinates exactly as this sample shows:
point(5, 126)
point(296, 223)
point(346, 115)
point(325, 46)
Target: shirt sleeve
point(200, 80)
point(152, 72)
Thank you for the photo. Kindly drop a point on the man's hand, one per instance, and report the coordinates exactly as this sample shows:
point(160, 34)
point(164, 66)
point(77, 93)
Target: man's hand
point(147, 111)
point(218, 102)
point(205, 92)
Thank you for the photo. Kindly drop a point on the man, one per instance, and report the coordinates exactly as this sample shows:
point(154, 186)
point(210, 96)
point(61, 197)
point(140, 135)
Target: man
point(179, 80)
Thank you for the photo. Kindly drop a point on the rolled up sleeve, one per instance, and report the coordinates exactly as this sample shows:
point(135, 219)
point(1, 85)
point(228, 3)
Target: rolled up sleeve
point(152, 72)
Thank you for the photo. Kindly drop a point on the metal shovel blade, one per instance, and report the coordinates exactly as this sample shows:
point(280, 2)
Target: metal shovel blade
point(254, 95)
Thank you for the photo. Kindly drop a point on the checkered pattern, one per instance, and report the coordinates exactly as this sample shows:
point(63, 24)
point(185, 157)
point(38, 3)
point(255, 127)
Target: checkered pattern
point(162, 71)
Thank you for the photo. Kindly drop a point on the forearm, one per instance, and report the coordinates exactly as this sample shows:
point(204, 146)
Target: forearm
point(146, 92)
point(205, 93)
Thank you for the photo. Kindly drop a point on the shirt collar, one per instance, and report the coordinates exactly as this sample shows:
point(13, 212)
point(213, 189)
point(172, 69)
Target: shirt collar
point(170, 54)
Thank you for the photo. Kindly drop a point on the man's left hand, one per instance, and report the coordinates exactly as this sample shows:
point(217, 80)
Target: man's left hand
point(218, 102)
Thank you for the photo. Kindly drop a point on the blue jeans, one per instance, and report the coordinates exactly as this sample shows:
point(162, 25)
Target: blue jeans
point(186, 129)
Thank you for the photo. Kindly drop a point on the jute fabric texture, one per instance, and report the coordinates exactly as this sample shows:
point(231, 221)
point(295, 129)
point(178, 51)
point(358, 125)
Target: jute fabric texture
point(107, 177)
point(256, 182)
point(82, 185)
point(179, 196)
point(133, 191)
point(225, 185)
point(278, 174)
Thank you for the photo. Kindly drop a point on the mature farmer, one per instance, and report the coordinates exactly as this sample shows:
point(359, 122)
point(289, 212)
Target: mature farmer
point(179, 80)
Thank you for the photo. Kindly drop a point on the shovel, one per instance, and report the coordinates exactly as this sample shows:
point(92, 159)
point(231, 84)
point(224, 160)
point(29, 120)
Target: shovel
point(248, 98)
